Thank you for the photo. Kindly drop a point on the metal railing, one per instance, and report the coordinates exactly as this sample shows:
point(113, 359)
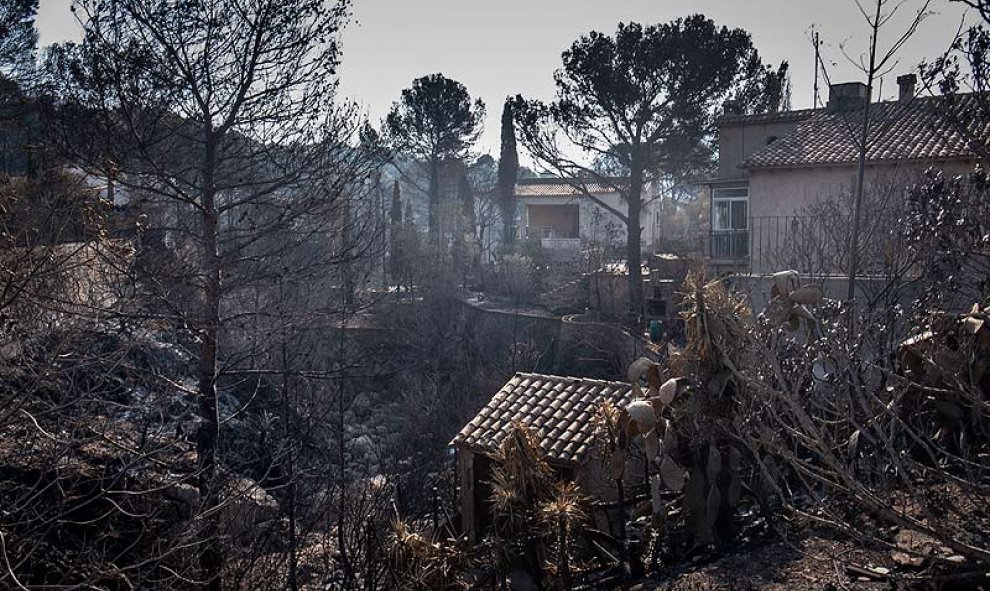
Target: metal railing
point(561, 243)
point(730, 244)
point(771, 243)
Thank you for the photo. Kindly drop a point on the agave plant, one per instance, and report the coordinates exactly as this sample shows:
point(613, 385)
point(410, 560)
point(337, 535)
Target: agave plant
point(522, 478)
point(423, 565)
point(521, 481)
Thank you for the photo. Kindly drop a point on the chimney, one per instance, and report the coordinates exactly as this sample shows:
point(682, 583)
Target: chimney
point(848, 96)
point(906, 85)
point(731, 107)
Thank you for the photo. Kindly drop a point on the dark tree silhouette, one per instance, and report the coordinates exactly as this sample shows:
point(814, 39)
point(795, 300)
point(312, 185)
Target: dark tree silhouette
point(769, 91)
point(508, 174)
point(224, 109)
point(465, 195)
point(434, 121)
point(645, 98)
point(18, 36)
point(965, 70)
point(395, 231)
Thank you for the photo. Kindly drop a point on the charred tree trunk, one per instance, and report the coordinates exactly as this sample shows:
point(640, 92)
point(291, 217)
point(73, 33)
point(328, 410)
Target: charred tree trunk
point(434, 190)
point(208, 436)
point(634, 252)
point(289, 441)
point(346, 566)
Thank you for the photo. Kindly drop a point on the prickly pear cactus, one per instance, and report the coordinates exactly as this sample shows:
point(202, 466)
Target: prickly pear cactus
point(712, 493)
point(688, 439)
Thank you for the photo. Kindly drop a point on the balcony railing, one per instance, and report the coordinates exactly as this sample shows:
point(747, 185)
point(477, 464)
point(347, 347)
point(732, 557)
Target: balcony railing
point(730, 244)
point(772, 243)
point(561, 243)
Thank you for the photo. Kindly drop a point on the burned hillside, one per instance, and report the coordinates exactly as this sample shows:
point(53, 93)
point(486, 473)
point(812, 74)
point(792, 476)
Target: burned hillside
point(656, 301)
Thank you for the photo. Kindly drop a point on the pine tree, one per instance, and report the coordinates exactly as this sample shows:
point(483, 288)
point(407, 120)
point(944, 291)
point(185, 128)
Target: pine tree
point(435, 121)
point(18, 37)
point(210, 107)
point(646, 97)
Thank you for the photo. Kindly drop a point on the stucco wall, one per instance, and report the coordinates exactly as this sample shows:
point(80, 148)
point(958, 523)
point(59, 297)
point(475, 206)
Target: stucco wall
point(738, 142)
point(786, 193)
point(596, 222)
point(563, 219)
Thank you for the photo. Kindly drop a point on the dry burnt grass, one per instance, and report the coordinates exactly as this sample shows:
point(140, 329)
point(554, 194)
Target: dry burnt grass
point(799, 553)
point(804, 557)
point(812, 562)
point(76, 513)
point(98, 469)
point(87, 488)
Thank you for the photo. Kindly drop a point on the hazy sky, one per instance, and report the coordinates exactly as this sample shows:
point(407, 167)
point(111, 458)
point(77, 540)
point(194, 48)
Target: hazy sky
point(502, 47)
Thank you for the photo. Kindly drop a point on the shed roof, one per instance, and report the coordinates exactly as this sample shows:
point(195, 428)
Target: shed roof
point(917, 130)
point(558, 409)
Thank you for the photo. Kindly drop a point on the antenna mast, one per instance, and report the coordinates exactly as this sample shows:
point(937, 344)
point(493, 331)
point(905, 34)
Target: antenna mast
point(817, 43)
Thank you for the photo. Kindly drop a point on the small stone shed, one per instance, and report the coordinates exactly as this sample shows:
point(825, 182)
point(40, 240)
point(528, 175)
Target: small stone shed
point(560, 411)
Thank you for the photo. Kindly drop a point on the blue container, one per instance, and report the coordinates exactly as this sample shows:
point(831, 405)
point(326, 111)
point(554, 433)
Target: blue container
point(656, 331)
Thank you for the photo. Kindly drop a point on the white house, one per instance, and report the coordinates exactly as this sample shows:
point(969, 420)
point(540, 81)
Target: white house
point(563, 217)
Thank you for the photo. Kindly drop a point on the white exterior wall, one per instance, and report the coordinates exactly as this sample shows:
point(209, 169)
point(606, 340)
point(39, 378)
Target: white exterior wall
point(121, 195)
point(593, 218)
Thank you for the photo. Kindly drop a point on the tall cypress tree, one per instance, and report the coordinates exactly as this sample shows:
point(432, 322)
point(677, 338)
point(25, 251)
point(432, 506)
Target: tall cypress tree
point(466, 197)
point(508, 172)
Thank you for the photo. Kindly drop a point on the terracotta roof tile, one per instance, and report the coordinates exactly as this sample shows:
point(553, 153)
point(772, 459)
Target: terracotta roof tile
point(916, 130)
point(558, 187)
point(778, 117)
point(558, 409)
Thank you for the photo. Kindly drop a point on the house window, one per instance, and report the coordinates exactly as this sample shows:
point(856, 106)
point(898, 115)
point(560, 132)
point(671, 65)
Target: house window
point(730, 223)
point(546, 232)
